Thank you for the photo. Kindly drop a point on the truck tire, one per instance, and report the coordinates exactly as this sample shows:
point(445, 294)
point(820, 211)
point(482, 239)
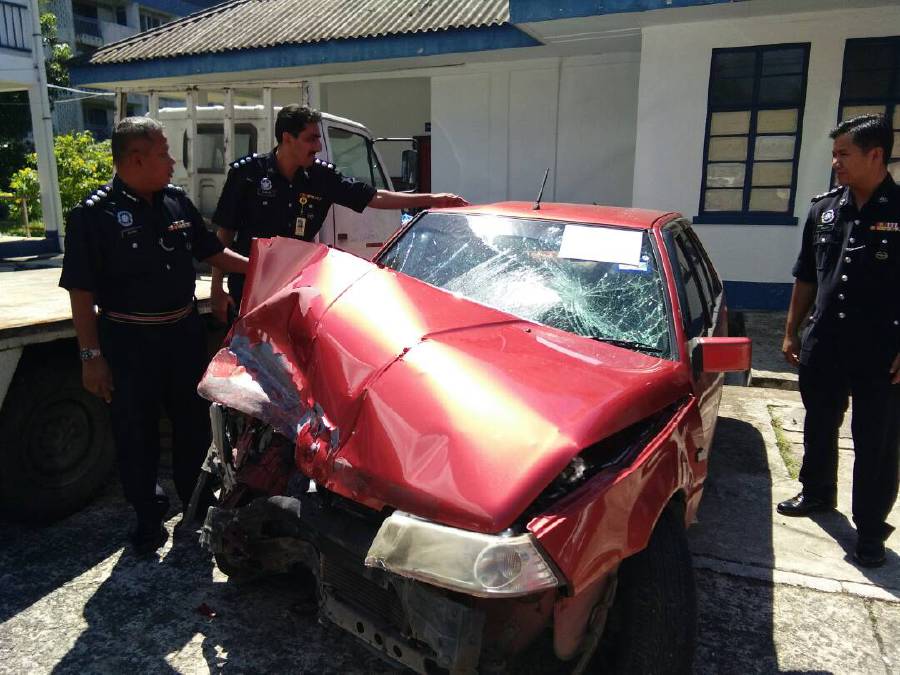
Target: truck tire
point(652, 624)
point(56, 445)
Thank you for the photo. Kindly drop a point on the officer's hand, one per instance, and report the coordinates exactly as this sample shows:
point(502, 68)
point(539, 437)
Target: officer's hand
point(895, 370)
point(446, 199)
point(791, 349)
point(97, 378)
point(221, 302)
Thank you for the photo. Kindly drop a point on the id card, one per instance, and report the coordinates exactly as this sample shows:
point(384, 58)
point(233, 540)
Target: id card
point(300, 227)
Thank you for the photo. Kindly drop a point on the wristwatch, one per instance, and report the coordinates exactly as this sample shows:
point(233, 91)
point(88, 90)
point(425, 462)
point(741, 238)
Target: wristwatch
point(88, 354)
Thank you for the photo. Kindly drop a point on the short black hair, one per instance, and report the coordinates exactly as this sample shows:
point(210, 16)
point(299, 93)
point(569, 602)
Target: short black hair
point(867, 132)
point(130, 129)
point(293, 119)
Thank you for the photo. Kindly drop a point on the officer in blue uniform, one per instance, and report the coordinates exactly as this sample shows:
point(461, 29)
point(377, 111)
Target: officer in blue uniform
point(848, 273)
point(288, 193)
point(130, 249)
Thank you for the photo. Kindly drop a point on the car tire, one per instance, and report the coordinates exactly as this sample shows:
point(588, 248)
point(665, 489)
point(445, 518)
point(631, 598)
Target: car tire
point(652, 624)
point(57, 447)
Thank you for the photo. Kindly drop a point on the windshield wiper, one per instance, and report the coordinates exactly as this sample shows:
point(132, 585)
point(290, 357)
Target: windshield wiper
point(627, 344)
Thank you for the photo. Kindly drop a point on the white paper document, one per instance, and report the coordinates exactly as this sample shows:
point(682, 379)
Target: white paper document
point(601, 244)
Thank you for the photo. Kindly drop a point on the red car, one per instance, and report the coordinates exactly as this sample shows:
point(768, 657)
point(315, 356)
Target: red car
point(487, 443)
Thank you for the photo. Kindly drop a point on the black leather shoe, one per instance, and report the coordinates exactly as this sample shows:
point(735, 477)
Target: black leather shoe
point(147, 540)
point(801, 505)
point(869, 553)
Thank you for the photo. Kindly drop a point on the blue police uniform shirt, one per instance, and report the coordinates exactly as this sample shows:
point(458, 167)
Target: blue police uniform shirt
point(258, 202)
point(136, 257)
point(853, 256)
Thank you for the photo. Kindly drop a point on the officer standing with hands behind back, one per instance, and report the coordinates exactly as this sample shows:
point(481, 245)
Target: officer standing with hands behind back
point(288, 192)
point(848, 272)
point(130, 249)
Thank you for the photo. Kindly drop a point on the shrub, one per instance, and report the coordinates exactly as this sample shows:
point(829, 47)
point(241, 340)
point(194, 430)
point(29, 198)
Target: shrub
point(82, 163)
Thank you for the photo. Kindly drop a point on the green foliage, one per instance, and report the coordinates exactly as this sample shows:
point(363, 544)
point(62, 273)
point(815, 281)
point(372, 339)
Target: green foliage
point(83, 165)
point(58, 53)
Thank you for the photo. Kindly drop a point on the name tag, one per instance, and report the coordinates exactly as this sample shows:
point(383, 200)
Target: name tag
point(885, 227)
point(179, 225)
point(300, 227)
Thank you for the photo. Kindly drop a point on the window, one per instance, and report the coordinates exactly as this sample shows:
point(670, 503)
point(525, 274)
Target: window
point(690, 279)
point(871, 84)
point(210, 146)
point(753, 125)
point(354, 156)
point(149, 21)
point(121, 16)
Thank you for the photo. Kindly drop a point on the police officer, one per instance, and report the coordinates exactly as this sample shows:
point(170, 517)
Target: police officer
point(129, 250)
point(288, 193)
point(848, 272)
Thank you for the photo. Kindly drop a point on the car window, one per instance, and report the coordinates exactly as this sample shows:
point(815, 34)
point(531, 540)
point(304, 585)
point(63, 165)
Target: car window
point(352, 154)
point(701, 268)
point(694, 306)
point(515, 265)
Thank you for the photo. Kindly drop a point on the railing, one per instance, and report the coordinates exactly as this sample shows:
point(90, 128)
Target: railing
point(14, 32)
point(86, 25)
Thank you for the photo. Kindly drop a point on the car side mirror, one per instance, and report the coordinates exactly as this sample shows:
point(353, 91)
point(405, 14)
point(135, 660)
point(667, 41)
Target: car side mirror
point(409, 168)
point(721, 354)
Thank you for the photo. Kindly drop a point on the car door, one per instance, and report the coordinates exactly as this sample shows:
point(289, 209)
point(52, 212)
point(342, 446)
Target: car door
point(354, 155)
point(701, 300)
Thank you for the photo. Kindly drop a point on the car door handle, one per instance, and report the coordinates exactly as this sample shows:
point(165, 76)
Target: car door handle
point(343, 236)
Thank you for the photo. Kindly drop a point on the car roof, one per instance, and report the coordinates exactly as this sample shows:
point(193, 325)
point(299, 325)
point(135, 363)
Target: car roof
point(641, 219)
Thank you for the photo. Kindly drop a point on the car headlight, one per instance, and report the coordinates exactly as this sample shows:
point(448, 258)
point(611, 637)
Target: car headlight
point(484, 565)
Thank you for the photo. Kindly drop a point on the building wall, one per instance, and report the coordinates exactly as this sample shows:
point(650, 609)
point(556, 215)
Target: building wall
point(388, 107)
point(498, 128)
point(671, 119)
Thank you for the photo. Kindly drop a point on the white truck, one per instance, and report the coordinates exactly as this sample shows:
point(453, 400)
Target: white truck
point(56, 447)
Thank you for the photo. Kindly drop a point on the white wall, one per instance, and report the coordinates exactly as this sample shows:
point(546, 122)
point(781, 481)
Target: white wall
point(397, 107)
point(671, 119)
point(496, 129)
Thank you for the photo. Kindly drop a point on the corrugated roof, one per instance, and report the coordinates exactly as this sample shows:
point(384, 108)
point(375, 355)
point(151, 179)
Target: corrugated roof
point(249, 24)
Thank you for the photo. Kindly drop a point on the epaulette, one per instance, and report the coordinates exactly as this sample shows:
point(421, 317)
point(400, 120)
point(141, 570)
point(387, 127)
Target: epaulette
point(175, 188)
point(243, 161)
point(325, 164)
point(97, 196)
point(830, 193)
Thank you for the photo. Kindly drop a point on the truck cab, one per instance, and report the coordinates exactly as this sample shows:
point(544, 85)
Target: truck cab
point(347, 144)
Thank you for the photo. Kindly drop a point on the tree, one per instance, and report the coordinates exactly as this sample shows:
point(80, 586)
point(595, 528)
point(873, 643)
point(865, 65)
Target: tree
point(56, 53)
point(83, 165)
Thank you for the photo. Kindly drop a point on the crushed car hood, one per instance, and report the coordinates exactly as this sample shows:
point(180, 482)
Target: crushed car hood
point(400, 394)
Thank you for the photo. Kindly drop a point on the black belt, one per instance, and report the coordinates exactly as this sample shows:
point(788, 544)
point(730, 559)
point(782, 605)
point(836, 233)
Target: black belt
point(150, 318)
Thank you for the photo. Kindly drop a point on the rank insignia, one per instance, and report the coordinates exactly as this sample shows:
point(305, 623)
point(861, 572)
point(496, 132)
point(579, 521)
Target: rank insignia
point(828, 216)
point(882, 199)
point(179, 225)
point(300, 227)
point(885, 227)
point(125, 218)
point(881, 255)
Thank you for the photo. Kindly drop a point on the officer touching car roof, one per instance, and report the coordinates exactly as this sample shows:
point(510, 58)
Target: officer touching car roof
point(848, 272)
point(129, 250)
point(288, 193)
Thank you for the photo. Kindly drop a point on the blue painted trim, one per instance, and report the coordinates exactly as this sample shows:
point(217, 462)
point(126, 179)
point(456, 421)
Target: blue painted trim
point(757, 295)
point(178, 7)
point(751, 218)
point(329, 51)
point(28, 247)
point(527, 11)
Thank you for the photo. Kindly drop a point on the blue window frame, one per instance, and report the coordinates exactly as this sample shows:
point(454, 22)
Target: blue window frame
point(871, 84)
point(753, 128)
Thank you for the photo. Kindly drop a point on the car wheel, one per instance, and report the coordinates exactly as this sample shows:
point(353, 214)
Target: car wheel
point(57, 447)
point(652, 624)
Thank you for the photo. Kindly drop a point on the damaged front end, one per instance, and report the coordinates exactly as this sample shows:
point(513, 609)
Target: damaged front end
point(367, 567)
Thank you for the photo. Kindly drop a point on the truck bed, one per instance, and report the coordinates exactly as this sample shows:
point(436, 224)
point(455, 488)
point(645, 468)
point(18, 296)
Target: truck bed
point(33, 308)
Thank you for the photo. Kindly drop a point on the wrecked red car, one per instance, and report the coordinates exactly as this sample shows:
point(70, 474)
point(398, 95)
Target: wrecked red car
point(486, 444)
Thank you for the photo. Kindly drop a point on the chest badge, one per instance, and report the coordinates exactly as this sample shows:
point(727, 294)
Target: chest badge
point(881, 255)
point(882, 199)
point(300, 227)
point(885, 227)
point(125, 218)
point(265, 184)
point(828, 216)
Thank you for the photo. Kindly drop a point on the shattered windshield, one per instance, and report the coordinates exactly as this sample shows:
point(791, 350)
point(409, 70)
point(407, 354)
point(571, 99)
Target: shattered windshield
point(592, 280)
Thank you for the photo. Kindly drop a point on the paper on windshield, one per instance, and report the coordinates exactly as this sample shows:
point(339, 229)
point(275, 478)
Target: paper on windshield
point(601, 244)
